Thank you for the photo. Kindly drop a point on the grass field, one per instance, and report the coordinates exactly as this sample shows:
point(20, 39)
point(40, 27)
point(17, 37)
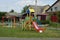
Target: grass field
point(17, 32)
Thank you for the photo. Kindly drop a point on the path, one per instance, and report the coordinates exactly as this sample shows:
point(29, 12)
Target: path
point(10, 38)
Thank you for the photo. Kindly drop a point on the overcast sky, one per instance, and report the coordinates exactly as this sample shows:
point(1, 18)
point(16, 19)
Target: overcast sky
point(17, 5)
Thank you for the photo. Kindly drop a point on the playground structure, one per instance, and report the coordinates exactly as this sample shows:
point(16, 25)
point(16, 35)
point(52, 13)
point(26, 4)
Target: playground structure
point(31, 21)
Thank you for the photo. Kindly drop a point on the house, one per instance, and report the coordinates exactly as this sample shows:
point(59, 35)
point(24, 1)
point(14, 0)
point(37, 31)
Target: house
point(53, 10)
point(39, 11)
point(55, 7)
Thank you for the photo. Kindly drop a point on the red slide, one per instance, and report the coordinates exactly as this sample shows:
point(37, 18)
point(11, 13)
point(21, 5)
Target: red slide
point(36, 27)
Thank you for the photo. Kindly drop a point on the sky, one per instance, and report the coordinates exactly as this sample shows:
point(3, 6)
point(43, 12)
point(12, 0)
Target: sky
point(17, 5)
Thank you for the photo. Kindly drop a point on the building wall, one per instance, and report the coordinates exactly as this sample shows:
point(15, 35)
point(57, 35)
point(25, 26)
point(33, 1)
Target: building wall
point(54, 7)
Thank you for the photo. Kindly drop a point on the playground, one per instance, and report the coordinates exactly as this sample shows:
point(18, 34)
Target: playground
point(29, 27)
point(30, 22)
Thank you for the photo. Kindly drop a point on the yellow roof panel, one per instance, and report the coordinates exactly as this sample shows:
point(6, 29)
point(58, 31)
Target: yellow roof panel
point(32, 10)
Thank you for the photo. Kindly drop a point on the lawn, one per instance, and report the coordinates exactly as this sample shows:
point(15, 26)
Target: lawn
point(54, 24)
point(17, 32)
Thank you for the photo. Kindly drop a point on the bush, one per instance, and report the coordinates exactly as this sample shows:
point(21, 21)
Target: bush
point(44, 21)
point(58, 14)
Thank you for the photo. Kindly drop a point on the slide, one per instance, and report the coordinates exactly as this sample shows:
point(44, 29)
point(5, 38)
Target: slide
point(36, 27)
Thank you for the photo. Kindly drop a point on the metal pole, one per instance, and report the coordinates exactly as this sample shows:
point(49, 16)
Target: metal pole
point(35, 8)
point(36, 5)
point(14, 22)
point(11, 22)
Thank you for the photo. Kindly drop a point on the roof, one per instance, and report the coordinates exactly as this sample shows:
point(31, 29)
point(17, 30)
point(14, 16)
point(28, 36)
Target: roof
point(52, 5)
point(13, 14)
point(39, 8)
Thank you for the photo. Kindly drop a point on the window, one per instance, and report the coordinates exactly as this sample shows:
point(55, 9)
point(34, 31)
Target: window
point(55, 8)
point(43, 17)
point(51, 9)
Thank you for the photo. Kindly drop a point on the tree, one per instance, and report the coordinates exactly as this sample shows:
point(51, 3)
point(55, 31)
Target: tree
point(24, 9)
point(2, 14)
point(12, 11)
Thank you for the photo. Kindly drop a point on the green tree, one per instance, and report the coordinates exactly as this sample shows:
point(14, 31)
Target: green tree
point(24, 9)
point(58, 14)
point(12, 11)
point(2, 14)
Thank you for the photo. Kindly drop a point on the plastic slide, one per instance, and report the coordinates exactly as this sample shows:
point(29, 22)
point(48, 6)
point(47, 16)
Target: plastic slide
point(37, 28)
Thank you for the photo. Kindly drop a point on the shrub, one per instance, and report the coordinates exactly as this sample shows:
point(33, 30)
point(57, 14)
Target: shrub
point(58, 14)
point(44, 21)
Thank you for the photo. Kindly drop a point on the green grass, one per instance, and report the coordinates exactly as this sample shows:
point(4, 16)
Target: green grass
point(17, 32)
point(52, 24)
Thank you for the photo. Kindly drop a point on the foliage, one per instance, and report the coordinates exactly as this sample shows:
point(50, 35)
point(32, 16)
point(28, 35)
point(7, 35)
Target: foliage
point(55, 24)
point(24, 9)
point(2, 14)
point(58, 14)
point(12, 11)
point(44, 21)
